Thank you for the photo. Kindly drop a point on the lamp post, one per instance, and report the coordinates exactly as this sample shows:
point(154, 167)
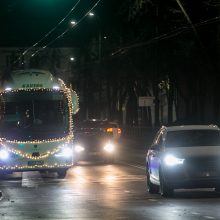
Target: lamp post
point(100, 50)
point(91, 14)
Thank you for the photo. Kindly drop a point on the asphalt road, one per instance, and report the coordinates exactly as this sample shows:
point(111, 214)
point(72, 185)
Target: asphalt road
point(99, 191)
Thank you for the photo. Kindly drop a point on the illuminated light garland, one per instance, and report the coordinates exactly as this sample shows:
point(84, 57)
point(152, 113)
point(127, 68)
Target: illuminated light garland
point(29, 156)
point(69, 137)
point(68, 94)
point(17, 167)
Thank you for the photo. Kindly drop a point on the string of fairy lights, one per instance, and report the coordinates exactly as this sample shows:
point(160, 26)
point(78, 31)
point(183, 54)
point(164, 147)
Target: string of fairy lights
point(23, 167)
point(68, 92)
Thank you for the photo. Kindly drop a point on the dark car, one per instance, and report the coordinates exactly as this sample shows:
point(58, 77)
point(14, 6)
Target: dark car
point(94, 139)
point(184, 157)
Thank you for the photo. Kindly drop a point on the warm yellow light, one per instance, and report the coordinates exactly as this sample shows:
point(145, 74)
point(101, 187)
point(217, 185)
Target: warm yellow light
point(67, 139)
point(109, 130)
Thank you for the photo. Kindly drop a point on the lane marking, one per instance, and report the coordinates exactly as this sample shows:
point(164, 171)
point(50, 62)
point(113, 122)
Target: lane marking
point(195, 213)
point(209, 217)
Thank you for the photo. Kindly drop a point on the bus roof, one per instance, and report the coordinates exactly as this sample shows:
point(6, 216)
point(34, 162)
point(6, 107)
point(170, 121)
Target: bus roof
point(31, 79)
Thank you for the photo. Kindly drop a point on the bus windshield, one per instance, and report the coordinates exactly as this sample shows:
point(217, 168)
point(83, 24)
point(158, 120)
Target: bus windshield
point(33, 115)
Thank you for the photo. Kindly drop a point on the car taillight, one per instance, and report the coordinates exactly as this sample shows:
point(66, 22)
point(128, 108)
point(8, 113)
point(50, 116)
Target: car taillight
point(109, 130)
point(119, 130)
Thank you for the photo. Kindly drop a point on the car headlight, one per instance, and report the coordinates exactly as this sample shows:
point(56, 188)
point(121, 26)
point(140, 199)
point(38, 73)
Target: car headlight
point(109, 147)
point(65, 152)
point(171, 160)
point(79, 148)
point(4, 154)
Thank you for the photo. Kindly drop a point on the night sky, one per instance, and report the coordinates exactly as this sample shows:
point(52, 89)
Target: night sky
point(24, 22)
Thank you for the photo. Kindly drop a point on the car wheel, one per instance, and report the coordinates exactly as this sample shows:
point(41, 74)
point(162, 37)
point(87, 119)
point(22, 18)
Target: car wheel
point(61, 173)
point(152, 188)
point(165, 190)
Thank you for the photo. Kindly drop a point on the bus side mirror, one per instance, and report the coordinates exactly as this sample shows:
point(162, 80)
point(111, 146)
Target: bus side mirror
point(75, 102)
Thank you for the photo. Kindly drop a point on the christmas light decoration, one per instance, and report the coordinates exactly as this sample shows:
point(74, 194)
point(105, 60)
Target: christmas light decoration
point(8, 144)
point(22, 167)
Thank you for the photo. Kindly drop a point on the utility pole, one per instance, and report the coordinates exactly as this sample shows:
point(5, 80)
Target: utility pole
point(156, 89)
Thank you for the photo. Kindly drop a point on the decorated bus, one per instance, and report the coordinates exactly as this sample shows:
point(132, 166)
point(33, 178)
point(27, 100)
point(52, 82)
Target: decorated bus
point(36, 123)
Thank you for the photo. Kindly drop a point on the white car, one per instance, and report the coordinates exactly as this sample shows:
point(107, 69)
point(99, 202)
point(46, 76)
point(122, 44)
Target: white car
point(184, 157)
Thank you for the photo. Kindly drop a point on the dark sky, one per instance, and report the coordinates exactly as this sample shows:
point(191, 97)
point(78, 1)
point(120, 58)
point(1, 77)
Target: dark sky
point(24, 22)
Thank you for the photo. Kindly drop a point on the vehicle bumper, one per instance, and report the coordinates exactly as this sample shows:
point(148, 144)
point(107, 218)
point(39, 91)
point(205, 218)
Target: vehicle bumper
point(180, 178)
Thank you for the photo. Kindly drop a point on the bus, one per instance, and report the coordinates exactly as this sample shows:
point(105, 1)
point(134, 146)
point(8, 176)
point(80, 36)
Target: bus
point(36, 123)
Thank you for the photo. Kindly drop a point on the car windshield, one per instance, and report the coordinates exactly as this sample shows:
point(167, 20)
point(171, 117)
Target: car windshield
point(189, 138)
point(26, 115)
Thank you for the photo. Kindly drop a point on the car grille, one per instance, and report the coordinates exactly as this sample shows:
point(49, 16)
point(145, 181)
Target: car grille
point(203, 167)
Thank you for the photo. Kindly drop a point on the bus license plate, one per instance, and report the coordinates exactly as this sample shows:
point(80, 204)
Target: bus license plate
point(35, 162)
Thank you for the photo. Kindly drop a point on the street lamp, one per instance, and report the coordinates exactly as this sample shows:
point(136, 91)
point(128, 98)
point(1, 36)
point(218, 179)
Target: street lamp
point(72, 59)
point(91, 14)
point(73, 23)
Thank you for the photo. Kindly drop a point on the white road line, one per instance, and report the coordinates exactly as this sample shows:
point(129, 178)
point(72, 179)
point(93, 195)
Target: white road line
point(195, 213)
point(209, 217)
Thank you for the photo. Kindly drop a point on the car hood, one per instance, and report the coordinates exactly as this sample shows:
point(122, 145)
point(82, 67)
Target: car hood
point(198, 151)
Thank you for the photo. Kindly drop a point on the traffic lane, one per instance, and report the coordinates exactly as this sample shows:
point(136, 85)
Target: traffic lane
point(132, 151)
point(96, 191)
point(88, 192)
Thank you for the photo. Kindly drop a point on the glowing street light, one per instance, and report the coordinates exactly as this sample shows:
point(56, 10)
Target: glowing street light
point(91, 14)
point(73, 23)
point(72, 59)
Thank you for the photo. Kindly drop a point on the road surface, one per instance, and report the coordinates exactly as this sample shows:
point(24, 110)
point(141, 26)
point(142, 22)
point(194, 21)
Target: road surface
point(93, 190)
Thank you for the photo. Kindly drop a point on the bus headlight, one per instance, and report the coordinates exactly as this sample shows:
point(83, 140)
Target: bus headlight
point(171, 160)
point(65, 152)
point(79, 148)
point(109, 147)
point(4, 154)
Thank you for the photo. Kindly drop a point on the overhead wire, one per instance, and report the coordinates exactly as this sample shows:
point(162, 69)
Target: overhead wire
point(167, 35)
point(49, 32)
point(67, 30)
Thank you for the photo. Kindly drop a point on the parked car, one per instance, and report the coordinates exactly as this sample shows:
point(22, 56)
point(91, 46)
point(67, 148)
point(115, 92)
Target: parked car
point(96, 139)
point(184, 157)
